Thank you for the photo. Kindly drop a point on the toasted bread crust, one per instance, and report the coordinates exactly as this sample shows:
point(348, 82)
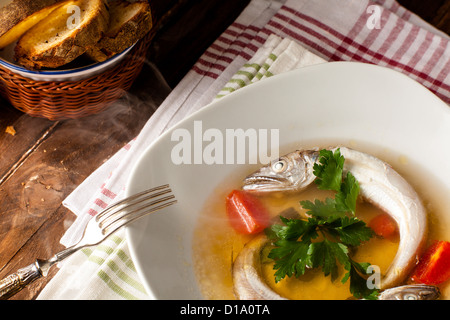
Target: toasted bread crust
point(18, 10)
point(70, 47)
point(119, 38)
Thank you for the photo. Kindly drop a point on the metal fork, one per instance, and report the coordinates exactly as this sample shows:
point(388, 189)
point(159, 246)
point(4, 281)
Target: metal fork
point(98, 229)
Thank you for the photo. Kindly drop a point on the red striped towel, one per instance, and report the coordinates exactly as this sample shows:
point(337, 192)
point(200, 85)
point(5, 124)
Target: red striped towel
point(378, 32)
point(338, 32)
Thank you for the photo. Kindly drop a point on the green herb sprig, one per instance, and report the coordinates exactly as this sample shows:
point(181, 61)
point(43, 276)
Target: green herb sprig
point(334, 219)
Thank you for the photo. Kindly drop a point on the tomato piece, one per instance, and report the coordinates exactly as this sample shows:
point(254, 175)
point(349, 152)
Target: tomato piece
point(384, 226)
point(434, 265)
point(246, 213)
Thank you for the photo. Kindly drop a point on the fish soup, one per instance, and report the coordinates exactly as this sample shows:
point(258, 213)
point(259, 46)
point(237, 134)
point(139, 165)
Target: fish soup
point(217, 245)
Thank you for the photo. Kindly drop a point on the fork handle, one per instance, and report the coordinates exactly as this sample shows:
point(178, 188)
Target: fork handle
point(15, 282)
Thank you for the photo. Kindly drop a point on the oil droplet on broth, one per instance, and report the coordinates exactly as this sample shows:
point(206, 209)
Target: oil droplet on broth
point(403, 160)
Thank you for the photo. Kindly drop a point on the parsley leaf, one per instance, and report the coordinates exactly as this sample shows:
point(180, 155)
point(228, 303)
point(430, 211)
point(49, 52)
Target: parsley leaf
point(291, 258)
point(353, 231)
point(348, 194)
point(327, 209)
point(292, 230)
point(358, 284)
point(295, 250)
point(326, 254)
point(329, 171)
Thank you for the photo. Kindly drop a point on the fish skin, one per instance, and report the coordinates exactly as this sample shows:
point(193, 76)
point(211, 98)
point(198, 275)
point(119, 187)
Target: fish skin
point(248, 283)
point(411, 292)
point(379, 184)
point(247, 279)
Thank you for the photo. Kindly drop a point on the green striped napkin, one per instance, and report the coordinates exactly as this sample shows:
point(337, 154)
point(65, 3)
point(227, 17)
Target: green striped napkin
point(103, 272)
point(276, 56)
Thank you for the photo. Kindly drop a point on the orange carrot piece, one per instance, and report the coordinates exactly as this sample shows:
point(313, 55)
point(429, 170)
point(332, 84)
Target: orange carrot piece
point(246, 213)
point(434, 265)
point(384, 226)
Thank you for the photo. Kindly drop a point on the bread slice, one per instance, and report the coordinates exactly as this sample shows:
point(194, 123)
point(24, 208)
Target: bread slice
point(20, 15)
point(129, 22)
point(51, 43)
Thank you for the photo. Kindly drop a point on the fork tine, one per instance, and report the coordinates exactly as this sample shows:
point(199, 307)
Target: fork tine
point(131, 201)
point(119, 214)
point(128, 217)
point(147, 201)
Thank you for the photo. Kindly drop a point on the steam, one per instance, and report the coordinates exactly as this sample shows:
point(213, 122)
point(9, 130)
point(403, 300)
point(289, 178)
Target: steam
point(61, 154)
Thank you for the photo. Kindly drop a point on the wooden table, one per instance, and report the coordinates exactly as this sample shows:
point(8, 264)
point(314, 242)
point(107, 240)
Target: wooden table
point(45, 160)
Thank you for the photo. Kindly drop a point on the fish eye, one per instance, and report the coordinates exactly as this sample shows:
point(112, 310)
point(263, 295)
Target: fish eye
point(410, 297)
point(279, 166)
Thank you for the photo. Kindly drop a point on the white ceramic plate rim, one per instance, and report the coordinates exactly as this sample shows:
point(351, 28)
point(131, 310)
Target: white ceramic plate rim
point(68, 74)
point(92, 67)
point(378, 78)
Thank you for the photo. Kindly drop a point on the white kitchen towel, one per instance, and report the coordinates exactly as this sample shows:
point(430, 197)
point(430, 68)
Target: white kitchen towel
point(377, 32)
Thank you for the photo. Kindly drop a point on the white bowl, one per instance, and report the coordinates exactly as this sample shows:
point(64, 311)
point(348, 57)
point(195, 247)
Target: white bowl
point(348, 103)
point(7, 60)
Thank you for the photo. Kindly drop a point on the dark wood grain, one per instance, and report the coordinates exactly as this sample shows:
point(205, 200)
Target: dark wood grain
point(32, 218)
point(436, 12)
point(44, 161)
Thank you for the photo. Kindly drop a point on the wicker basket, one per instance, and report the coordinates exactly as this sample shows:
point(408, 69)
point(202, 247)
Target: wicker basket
point(58, 100)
